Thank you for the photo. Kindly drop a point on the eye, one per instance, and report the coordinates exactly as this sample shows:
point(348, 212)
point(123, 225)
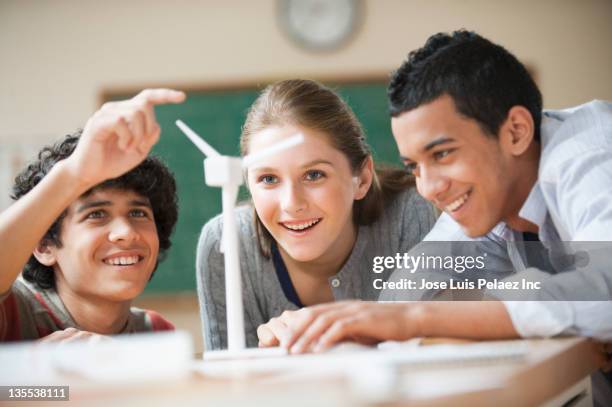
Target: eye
point(314, 175)
point(267, 179)
point(99, 214)
point(138, 213)
point(438, 155)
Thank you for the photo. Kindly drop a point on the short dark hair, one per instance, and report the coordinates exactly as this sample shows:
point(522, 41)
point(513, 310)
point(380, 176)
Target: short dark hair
point(151, 179)
point(484, 80)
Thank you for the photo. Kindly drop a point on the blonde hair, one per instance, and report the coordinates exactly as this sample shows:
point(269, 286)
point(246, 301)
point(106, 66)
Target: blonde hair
point(312, 105)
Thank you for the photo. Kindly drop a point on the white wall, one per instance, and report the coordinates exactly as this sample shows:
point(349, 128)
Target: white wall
point(56, 57)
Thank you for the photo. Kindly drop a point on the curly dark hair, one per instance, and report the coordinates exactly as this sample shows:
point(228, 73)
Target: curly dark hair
point(151, 179)
point(483, 78)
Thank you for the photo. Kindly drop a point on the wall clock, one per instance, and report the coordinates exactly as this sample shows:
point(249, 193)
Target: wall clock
point(320, 25)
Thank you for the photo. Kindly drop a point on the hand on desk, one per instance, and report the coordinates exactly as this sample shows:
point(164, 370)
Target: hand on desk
point(316, 328)
point(72, 335)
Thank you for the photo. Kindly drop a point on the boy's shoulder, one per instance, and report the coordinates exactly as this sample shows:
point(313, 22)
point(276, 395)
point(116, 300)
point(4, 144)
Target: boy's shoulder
point(575, 132)
point(30, 313)
point(144, 320)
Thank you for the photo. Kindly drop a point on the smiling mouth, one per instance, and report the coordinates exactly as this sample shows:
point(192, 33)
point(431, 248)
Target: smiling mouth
point(458, 203)
point(123, 260)
point(301, 227)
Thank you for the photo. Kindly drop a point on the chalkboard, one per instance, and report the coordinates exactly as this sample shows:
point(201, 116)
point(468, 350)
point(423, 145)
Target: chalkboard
point(218, 115)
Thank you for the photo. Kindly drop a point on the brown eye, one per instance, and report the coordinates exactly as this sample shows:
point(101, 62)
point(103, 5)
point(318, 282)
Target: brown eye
point(96, 215)
point(138, 213)
point(438, 155)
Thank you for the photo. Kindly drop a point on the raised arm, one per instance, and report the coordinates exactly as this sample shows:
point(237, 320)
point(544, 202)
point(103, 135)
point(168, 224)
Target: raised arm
point(115, 139)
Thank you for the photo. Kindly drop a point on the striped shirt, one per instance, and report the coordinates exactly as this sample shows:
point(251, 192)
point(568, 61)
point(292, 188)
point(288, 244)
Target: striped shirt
point(28, 313)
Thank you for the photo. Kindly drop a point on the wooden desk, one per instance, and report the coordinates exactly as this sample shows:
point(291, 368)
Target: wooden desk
point(549, 367)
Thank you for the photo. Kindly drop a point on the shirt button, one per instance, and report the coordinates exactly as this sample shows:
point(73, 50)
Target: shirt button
point(335, 283)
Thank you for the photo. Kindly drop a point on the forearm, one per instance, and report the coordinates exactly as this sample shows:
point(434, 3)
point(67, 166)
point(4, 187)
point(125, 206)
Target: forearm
point(467, 319)
point(25, 222)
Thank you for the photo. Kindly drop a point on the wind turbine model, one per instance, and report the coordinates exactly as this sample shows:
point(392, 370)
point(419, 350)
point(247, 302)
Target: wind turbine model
point(227, 173)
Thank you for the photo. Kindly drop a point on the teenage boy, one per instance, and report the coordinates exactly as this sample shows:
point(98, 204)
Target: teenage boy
point(467, 119)
point(92, 217)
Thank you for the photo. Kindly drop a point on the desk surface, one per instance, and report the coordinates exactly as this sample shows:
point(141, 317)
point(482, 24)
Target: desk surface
point(548, 367)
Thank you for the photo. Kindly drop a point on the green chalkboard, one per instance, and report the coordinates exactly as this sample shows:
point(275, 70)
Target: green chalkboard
point(217, 115)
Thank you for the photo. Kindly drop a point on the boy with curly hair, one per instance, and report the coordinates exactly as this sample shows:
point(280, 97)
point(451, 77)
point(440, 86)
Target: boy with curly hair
point(92, 218)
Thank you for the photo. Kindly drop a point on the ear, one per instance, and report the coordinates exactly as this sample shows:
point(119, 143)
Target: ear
point(517, 132)
point(363, 181)
point(45, 254)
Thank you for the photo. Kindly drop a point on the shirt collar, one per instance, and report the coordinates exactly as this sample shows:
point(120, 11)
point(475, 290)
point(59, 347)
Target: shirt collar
point(501, 230)
point(534, 209)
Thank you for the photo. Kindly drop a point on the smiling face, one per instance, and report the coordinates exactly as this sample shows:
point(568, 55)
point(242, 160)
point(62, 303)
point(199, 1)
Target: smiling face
point(304, 196)
point(109, 246)
point(458, 167)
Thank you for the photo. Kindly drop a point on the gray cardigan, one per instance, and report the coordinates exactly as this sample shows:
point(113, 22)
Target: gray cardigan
point(404, 223)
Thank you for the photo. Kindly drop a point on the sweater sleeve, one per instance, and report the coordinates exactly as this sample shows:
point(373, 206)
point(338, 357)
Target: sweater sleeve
point(210, 278)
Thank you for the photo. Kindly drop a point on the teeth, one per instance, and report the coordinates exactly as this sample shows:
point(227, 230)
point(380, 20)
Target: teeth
point(301, 226)
point(453, 206)
point(122, 261)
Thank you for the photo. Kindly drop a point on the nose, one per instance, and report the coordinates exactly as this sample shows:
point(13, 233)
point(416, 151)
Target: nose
point(431, 184)
point(122, 230)
point(292, 199)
